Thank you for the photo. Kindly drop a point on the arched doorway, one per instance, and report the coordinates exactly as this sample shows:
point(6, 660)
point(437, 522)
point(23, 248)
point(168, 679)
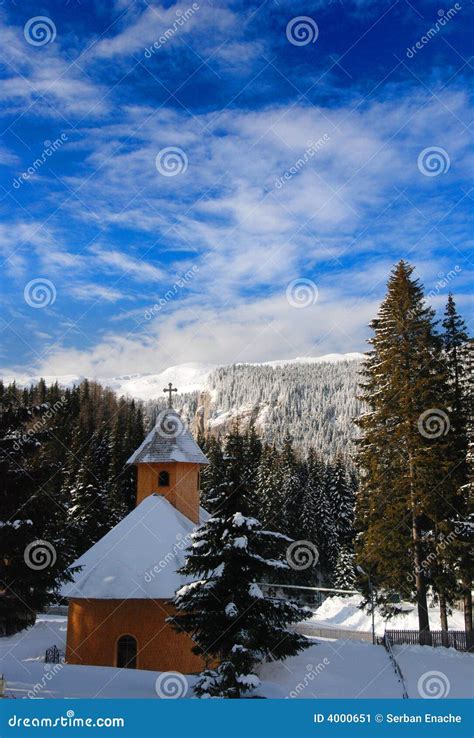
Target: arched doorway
point(127, 652)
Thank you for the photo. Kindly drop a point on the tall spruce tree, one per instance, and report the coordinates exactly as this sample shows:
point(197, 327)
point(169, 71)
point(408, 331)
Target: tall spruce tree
point(89, 515)
point(292, 487)
point(126, 435)
point(269, 489)
point(405, 485)
point(455, 341)
point(345, 572)
point(33, 551)
point(316, 519)
point(253, 454)
point(452, 551)
point(464, 527)
point(230, 618)
point(341, 500)
point(326, 539)
point(212, 476)
point(308, 517)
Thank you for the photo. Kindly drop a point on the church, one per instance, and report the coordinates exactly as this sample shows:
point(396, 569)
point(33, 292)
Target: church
point(119, 600)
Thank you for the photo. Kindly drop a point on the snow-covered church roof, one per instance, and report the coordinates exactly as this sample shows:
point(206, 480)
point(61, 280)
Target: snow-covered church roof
point(138, 558)
point(170, 440)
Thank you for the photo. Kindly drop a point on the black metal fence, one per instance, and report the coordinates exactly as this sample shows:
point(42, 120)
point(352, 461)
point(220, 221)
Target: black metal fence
point(450, 639)
point(53, 655)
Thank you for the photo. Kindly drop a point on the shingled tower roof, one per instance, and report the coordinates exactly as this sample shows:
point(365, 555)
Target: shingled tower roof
point(170, 440)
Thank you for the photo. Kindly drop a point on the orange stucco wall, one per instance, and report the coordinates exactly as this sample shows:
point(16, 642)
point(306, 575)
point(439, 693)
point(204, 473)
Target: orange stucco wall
point(183, 491)
point(94, 627)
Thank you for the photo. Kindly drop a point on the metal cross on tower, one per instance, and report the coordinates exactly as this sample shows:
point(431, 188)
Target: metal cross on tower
point(170, 389)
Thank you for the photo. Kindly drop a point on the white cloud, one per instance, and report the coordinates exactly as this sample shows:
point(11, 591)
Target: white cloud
point(127, 266)
point(44, 80)
point(178, 26)
point(89, 292)
point(343, 218)
point(268, 328)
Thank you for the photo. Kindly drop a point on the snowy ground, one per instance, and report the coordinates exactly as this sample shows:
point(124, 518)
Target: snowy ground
point(329, 668)
point(22, 657)
point(436, 671)
point(332, 669)
point(344, 612)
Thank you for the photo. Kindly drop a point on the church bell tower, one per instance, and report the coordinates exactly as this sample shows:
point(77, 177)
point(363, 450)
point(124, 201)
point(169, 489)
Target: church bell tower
point(168, 462)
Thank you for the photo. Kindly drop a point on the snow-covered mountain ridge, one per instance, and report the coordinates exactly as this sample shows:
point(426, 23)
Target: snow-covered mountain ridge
point(314, 401)
point(190, 377)
point(311, 398)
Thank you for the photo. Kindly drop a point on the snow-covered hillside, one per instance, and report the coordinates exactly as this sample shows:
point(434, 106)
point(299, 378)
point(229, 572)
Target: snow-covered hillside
point(345, 613)
point(312, 398)
point(313, 401)
point(190, 377)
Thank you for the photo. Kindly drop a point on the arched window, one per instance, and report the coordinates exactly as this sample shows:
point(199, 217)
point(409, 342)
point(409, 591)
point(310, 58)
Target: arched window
point(127, 652)
point(163, 479)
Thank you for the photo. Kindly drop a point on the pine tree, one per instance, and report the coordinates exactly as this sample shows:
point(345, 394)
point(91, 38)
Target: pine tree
point(341, 500)
point(308, 518)
point(403, 440)
point(47, 435)
point(451, 550)
point(292, 488)
point(33, 554)
point(310, 526)
point(127, 434)
point(326, 531)
point(269, 489)
point(212, 476)
point(464, 528)
point(455, 339)
point(345, 573)
point(253, 454)
point(89, 514)
point(224, 610)
point(235, 461)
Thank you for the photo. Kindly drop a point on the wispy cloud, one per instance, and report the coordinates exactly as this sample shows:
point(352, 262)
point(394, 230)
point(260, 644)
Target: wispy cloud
point(90, 292)
point(252, 210)
point(128, 266)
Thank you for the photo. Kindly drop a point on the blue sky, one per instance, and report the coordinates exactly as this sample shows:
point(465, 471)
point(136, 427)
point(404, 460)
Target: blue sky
point(312, 144)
